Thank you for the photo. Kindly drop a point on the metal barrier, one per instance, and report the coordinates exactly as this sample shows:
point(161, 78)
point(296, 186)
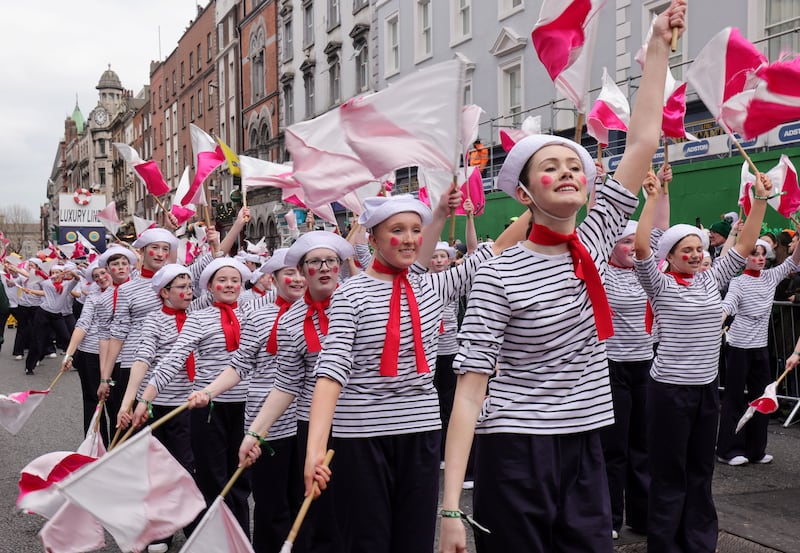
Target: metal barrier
point(784, 325)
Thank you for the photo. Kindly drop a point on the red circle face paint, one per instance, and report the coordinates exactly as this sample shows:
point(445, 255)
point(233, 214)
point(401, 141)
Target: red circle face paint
point(583, 179)
point(311, 271)
point(237, 287)
point(419, 241)
point(181, 295)
point(287, 281)
point(685, 257)
point(219, 287)
point(335, 270)
point(547, 180)
point(394, 241)
point(113, 269)
point(151, 253)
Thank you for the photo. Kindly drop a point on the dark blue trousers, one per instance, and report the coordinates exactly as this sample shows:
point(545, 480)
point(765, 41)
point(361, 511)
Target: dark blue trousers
point(682, 430)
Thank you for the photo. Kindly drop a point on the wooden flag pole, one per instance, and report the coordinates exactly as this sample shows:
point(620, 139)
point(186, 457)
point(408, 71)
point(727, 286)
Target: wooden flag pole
point(665, 184)
point(99, 416)
point(113, 443)
point(232, 481)
point(451, 238)
point(55, 380)
point(301, 515)
point(169, 415)
point(579, 128)
point(674, 44)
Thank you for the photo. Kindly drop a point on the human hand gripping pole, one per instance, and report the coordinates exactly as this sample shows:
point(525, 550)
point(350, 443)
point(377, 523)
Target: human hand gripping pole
point(301, 515)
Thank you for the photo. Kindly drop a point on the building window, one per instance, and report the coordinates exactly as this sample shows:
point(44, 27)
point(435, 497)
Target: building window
point(200, 103)
point(509, 7)
point(101, 176)
point(183, 116)
point(288, 104)
point(467, 92)
point(511, 92)
point(781, 16)
point(183, 157)
point(334, 18)
point(208, 48)
point(258, 74)
point(308, 81)
point(191, 64)
point(191, 108)
point(160, 96)
point(362, 67)
point(174, 84)
point(424, 40)
point(211, 95)
point(102, 146)
point(308, 24)
point(462, 20)
point(183, 76)
point(253, 139)
point(392, 46)
point(198, 58)
point(358, 5)
point(288, 40)
point(334, 81)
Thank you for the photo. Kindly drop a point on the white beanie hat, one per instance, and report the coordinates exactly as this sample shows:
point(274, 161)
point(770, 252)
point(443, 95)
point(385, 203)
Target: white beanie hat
point(675, 234)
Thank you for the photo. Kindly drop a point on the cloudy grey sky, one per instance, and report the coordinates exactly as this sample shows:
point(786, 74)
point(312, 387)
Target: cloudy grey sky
point(50, 51)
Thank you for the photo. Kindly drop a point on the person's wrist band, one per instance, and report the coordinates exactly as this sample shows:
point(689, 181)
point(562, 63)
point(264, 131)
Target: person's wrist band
point(261, 441)
point(446, 513)
point(219, 254)
point(797, 353)
point(149, 408)
point(107, 381)
point(757, 197)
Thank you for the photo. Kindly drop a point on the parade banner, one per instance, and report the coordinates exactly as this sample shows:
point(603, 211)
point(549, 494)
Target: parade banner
point(80, 210)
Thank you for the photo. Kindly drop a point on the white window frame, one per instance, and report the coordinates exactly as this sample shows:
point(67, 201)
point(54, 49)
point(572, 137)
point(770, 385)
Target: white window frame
point(423, 30)
point(461, 11)
point(468, 92)
point(392, 45)
point(677, 58)
point(362, 67)
point(288, 39)
point(308, 92)
point(506, 8)
point(335, 82)
point(504, 91)
point(308, 23)
point(288, 103)
point(334, 14)
point(790, 42)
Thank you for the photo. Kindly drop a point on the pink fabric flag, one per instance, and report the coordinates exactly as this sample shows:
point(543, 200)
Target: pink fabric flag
point(724, 68)
point(530, 125)
point(72, 530)
point(470, 120)
point(323, 163)
point(674, 112)
point(473, 190)
point(256, 173)
point(37, 491)
point(755, 112)
point(610, 111)
point(108, 216)
point(147, 170)
point(414, 122)
point(218, 531)
point(182, 214)
point(153, 495)
point(766, 404)
point(297, 196)
point(563, 38)
point(784, 182)
point(17, 408)
point(208, 155)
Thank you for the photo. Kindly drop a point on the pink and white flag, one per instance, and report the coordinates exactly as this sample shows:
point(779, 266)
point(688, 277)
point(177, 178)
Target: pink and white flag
point(755, 112)
point(784, 182)
point(530, 125)
point(432, 184)
point(38, 492)
point(17, 408)
point(766, 404)
point(108, 216)
point(208, 155)
point(564, 39)
point(72, 530)
point(256, 173)
point(140, 225)
point(472, 190)
point(672, 122)
point(323, 163)
point(181, 213)
point(298, 197)
point(153, 495)
point(148, 171)
point(470, 121)
point(414, 122)
point(723, 68)
point(218, 531)
point(611, 111)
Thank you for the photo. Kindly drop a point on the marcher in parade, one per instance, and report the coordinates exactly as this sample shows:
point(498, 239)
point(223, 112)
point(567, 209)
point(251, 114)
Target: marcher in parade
point(540, 482)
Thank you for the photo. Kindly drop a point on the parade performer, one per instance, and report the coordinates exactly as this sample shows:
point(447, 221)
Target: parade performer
point(374, 379)
point(536, 320)
point(749, 300)
point(213, 335)
point(259, 287)
point(275, 480)
point(630, 354)
point(26, 303)
point(683, 391)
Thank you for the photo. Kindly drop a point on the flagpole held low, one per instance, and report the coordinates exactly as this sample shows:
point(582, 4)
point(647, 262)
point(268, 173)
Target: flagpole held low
point(301, 515)
point(55, 380)
point(169, 415)
point(117, 434)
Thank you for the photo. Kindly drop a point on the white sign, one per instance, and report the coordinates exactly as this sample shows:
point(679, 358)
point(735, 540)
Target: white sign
point(73, 214)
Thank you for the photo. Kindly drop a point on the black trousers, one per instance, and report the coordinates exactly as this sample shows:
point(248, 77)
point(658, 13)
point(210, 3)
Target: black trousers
point(542, 494)
point(24, 316)
point(747, 368)
point(120, 376)
point(625, 444)
point(88, 367)
point(44, 324)
point(387, 492)
point(215, 444)
point(444, 380)
point(277, 483)
point(681, 430)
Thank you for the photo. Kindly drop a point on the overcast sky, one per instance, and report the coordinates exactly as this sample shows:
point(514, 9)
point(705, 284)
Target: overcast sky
point(50, 51)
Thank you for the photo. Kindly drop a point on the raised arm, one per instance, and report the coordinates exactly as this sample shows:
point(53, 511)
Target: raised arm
point(641, 243)
point(431, 232)
point(661, 219)
point(644, 130)
point(752, 226)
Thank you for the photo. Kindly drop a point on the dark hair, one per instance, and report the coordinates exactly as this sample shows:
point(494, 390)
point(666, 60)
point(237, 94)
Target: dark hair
point(117, 256)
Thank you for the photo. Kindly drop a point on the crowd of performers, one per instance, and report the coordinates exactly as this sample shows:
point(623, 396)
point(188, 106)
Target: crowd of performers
point(549, 395)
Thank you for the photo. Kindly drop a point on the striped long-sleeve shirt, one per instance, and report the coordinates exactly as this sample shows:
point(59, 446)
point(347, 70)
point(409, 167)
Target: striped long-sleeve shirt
point(202, 334)
point(529, 316)
point(89, 322)
point(156, 338)
point(689, 319)
point(252, 362)
point(55, 301)
point(750, 300)
point(136, 299)
point(374, 405)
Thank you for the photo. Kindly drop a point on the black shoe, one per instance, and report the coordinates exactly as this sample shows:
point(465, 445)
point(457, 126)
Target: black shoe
point(29, 371)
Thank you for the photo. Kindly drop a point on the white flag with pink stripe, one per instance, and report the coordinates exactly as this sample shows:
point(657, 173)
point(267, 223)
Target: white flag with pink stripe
point(611, 111)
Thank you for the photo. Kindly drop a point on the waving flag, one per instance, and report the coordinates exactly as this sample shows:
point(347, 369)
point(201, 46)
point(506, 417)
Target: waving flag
point(766, 404)
point(108, 216)
point(148, 171)
point(140, 225)
point(564, 38)
point(208, 156)
point(530, 125)
point(72, 530)
point(182, 214)
point(755, 112)
point(298, 197)
point(37, 490)
point(153, 495)
point(17, 408)
point(611, 111)
point(784, 182)
point(724, 68)
point(674, 112)
point(257, 173)
point(473, 190)
point(218, 531)
point(470, 120)
point(414, 122)
point(323, 163)
point(230, 157)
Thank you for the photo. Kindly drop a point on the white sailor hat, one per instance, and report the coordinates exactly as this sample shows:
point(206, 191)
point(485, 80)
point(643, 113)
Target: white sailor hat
point(156, 235)
point(276, 262)
point(765, 245)
point(675, 234)
point(253, 258)
point(508, 178)
point(314, 240)
point(629, 229)
point(113, 250)
point(167, 274)
point(87, 272)
point(218, 264)
point(379, 208)
point(69, 266)
point(444, 246)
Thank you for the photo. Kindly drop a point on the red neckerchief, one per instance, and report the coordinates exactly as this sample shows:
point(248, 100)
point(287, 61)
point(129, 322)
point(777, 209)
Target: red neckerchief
point(272, 341)
point(180, 318)
point(585, 270)
point(441, 326)
point(752, 272)
point(260, 292)
point(310, 333)
point(146, 273)
point(391, 345)
point(58, 286)
point(684, 279)
point(230, 324)
point(116, 291)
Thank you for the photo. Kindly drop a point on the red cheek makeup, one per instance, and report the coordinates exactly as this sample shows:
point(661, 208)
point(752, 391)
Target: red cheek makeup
point(219, 287)
point(547, 180)
point(583, 179)
point(394, 241)
point(685, 257)
point(311, 272)
point(287, 281)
